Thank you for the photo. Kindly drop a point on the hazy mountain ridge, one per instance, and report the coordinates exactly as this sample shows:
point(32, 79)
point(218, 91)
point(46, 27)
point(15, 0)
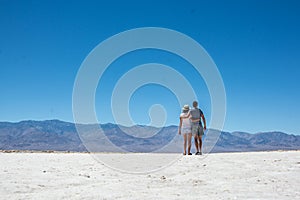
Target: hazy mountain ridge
point(241, 141)
point(62, 136)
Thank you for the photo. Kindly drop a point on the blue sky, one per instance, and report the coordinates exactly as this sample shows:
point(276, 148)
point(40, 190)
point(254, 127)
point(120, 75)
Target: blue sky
point(255, 45)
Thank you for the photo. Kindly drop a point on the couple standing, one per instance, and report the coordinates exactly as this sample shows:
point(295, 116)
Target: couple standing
point(190, 124)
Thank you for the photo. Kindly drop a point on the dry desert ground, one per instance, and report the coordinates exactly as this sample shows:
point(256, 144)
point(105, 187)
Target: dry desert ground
point(251, 175)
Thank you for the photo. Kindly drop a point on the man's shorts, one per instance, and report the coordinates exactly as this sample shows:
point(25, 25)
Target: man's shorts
point(197, 130)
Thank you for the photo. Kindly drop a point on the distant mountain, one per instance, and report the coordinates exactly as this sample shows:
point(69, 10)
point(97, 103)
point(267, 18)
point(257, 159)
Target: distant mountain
point(62, 136)
point(40, 135)
point(241, 141)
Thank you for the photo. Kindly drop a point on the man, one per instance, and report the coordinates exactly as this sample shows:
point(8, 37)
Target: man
point(197, 130)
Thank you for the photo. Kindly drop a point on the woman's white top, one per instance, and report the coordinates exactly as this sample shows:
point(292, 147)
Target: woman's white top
point(186, 123)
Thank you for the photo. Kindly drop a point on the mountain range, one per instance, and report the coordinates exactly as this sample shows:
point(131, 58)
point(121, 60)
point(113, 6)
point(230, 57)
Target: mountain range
point(65, 136)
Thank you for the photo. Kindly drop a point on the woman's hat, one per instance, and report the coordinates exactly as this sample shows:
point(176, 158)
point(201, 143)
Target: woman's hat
point(186, 107)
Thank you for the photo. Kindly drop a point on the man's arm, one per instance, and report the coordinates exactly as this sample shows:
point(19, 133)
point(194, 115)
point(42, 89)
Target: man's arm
point(204, 121)
point(188, 115)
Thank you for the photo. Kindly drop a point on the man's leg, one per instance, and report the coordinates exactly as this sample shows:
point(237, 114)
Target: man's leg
point(200, 139)
point(194, 132)
point(196, 143)
point(200, 143)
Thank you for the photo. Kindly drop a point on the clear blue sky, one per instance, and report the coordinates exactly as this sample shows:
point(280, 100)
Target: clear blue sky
point(255, 45)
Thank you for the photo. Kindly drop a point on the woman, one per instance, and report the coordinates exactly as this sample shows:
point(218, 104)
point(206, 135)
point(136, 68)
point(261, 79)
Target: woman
point(185, 129)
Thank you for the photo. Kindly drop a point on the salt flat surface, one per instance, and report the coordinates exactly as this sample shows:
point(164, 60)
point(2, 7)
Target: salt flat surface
point(254, 175)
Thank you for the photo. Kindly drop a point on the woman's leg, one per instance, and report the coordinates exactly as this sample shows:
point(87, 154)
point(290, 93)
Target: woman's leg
point(184, 143)
point(189, 139)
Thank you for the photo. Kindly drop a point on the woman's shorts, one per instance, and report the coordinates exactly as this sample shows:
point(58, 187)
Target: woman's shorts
point(197, 130)
point(186, 130)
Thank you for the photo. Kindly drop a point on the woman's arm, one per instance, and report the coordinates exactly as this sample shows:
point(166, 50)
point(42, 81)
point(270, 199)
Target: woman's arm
point(195, 120)
point(179, 128)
